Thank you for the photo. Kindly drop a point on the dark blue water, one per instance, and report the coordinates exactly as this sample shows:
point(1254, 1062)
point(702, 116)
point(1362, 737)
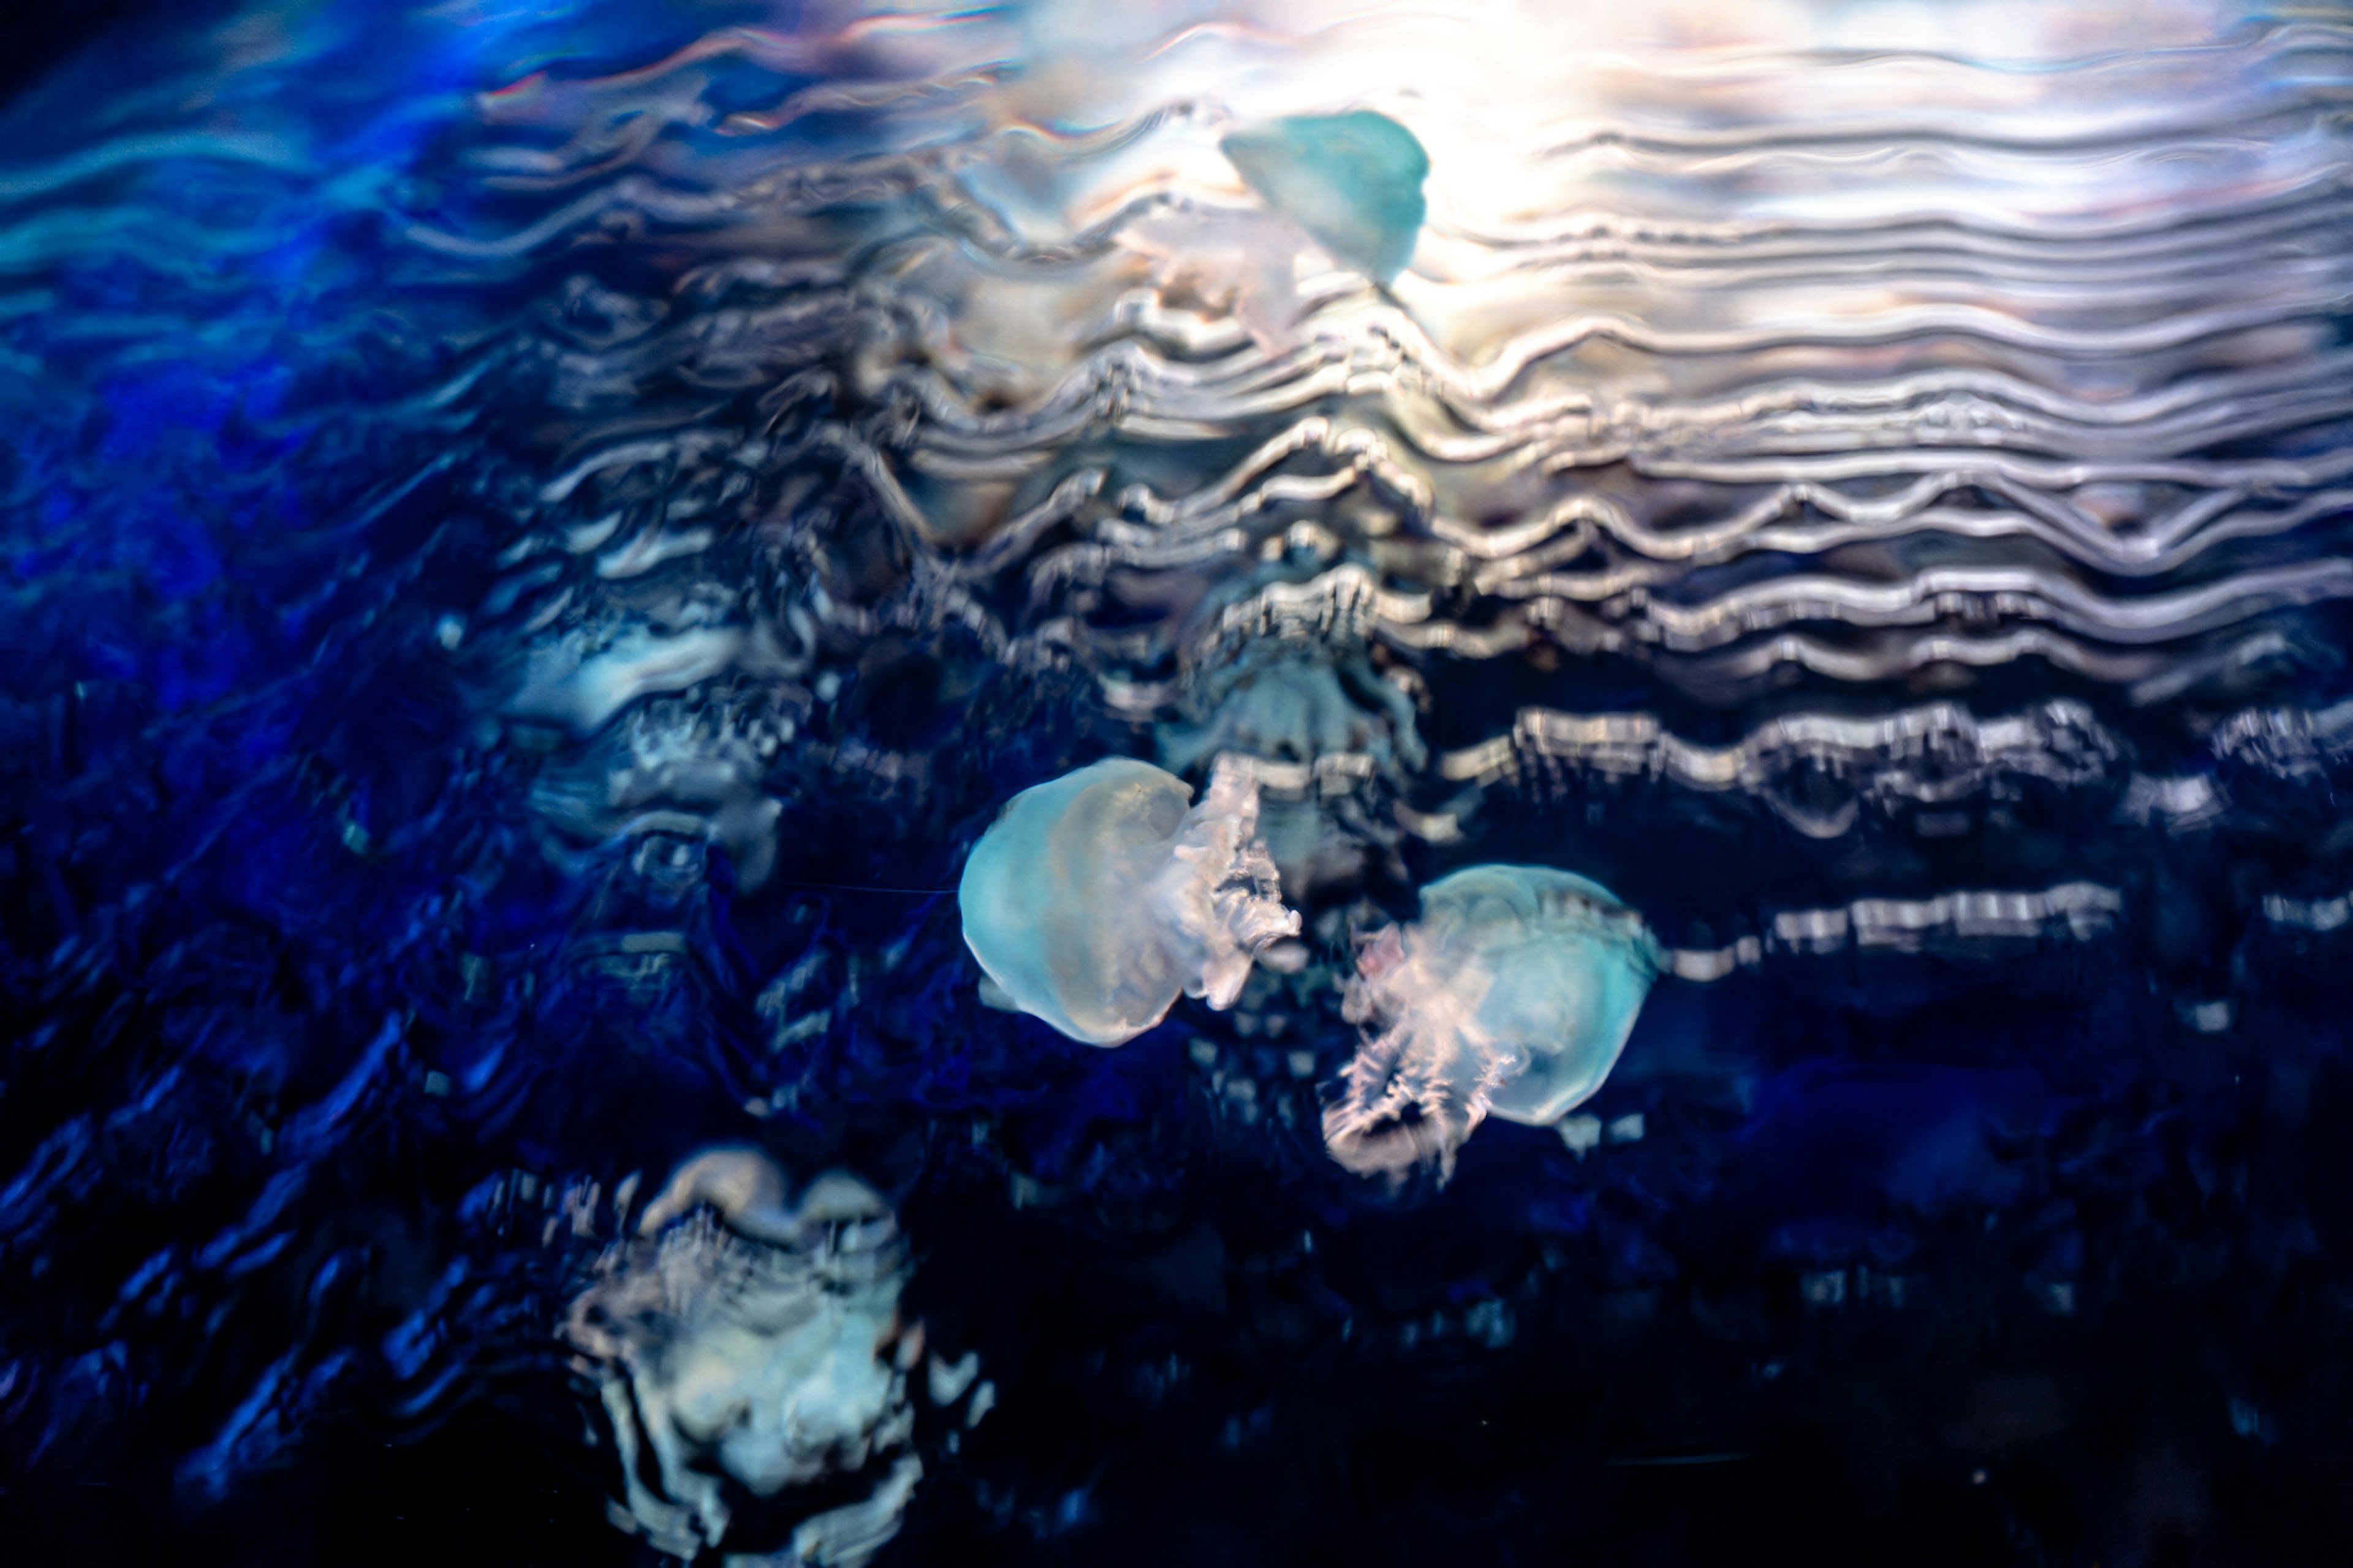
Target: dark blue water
point(540, 537)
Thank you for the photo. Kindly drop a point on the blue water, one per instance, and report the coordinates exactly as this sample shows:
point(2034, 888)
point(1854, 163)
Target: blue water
point(541, 537)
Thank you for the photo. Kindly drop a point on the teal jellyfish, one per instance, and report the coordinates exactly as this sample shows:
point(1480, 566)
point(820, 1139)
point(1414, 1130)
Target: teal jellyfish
point(1351, 180)
point(1095, 899)
point(1511, 996)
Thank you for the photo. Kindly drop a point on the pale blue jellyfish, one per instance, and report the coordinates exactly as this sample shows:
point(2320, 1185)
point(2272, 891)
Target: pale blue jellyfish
point(1351, 180)
point(1511, 996)
point(1096, 899)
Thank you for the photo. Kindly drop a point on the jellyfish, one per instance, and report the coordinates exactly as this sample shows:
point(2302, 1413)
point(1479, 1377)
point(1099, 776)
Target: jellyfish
point(1095, 899)
point(746, 1342)
point(1349, 185)
point(1351, 180)
point(1511, 996)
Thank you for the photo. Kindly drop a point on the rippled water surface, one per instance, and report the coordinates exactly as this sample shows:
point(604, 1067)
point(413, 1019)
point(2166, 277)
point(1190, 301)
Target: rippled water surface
point(541, 537)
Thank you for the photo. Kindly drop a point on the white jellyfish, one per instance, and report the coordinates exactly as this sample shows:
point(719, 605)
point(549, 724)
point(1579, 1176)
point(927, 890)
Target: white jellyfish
point(1096, 899)
point(739, 1337)
point(1512, 995)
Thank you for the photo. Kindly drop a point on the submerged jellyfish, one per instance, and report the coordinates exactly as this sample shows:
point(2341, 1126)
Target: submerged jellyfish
point(1351, 180)
point(1094, 901)
point(745, 1343)
point(1512, 995)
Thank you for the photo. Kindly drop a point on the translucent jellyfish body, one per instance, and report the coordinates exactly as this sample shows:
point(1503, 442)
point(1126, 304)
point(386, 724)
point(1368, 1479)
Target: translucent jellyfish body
point(743, 1344)
point(1351, 180)
point(1511, 996)
point(1095, 901)
point(1348, 186)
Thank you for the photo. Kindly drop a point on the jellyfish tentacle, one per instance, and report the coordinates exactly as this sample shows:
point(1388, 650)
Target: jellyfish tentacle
point(1511, 996)
point(1410, 1098)
point(1220, 893)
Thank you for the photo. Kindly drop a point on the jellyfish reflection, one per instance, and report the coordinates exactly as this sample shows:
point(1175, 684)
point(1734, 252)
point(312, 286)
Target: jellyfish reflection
point(1512, 995)
point(1325, 737)
point(746, 1345)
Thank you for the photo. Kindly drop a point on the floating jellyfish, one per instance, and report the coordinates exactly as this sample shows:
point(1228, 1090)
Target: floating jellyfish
point(1512, 995)
point(1346, 184)
point(1351, 180)
point(1094, 901)
point(744, 1343)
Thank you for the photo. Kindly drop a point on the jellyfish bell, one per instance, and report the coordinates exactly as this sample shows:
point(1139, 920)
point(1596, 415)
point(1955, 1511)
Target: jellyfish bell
point(1511, 996)
point(1097, 898)
point(1565, 968)
point(1351, 180)
point(1344, 189)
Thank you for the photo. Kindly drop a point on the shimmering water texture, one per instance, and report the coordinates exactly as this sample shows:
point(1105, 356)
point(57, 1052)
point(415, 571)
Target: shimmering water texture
point(1155, 782)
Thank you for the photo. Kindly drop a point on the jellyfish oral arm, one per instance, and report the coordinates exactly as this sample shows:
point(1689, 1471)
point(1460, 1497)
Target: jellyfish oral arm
point(1419, 1087)
point(1218, 893)
point(1512, 995)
